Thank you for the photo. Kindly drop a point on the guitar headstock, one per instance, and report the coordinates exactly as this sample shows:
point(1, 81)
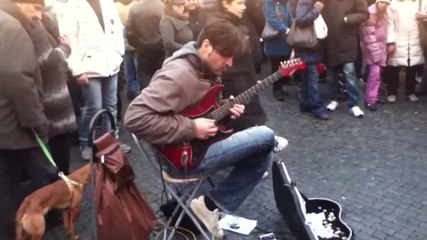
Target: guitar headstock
point(287, 68)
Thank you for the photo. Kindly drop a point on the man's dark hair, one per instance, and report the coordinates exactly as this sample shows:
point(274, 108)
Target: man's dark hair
point(223, 36)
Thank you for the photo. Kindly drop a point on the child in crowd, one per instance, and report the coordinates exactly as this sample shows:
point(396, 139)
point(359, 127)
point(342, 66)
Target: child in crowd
point(374, 47)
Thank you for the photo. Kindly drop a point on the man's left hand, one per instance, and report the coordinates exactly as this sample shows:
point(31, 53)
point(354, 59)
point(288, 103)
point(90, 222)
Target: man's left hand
point(237, 110)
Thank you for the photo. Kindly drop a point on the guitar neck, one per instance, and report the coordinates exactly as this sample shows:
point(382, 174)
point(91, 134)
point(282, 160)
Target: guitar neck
point(245, 97)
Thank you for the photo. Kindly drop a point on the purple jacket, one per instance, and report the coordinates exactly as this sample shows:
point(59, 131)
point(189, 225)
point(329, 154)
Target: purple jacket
point(373, 35)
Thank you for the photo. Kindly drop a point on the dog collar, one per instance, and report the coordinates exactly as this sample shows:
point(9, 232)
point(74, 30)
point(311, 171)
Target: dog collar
point(70, 183)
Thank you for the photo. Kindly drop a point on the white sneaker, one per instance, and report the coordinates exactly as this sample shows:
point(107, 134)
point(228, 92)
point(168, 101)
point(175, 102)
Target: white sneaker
point(125, 148)
point(208, 218)
point(413, 98)
point(332, 106)
point(391, 98)
point(85, 153)
point(281, 143)
point(265, 175)
point(356, 111)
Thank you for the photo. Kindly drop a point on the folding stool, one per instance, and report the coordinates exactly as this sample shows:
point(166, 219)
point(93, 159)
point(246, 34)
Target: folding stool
point(183, 200)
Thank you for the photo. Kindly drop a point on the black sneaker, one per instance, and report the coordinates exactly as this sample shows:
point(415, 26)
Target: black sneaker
point(371, 106)
point(279, 94)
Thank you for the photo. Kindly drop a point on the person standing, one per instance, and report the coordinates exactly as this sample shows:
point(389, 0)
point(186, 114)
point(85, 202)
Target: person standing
point(130, 58)
point(343, 19)
point(241, 76)
point(278, 15)
point(143, 33)
point(21, 110)
point(96, 37)
point(310, 100)
point(404, 48)
point(175, 26)
point(373, 34)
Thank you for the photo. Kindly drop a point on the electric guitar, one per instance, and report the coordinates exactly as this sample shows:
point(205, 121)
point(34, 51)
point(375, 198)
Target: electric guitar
point(187, 156)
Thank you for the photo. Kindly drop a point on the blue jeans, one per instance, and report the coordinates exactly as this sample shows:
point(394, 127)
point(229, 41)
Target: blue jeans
point(310, 95)
point(98, 93)
point(130, 63)
point(250, 153)
point(351, 83)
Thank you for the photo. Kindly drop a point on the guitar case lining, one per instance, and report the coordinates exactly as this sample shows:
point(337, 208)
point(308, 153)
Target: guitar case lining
point(294, 206)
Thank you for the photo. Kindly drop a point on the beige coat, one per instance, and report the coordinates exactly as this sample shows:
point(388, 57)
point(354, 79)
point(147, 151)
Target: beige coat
point(403, 31)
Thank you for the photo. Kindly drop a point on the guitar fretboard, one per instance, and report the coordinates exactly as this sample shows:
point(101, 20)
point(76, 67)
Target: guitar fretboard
point(245, 97)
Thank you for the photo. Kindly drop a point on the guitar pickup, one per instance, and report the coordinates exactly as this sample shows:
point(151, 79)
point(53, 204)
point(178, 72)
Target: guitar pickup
point(184, 158)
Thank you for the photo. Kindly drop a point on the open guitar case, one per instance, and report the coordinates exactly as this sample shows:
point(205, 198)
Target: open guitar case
point(294, 207)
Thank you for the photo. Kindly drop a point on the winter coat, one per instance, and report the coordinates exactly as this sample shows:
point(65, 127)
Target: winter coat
point(124, 14)
point(373, 36)
point(255, 12)
point(305, 16)
point(21, 105)
point(95, 51)
point(241, 75)
point(280, 17)
point(175, 32)
point(182, 82)
point(58, 107)
point(403, 31)
point(341, 44)
point(143, 27)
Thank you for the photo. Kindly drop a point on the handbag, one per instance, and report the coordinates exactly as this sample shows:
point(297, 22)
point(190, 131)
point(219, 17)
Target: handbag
point(121, 210)
point(303, 37)
point(269, 32)
point(320, 27)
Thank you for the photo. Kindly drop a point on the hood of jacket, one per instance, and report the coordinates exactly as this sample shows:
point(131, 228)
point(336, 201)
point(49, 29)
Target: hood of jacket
point(191, 53)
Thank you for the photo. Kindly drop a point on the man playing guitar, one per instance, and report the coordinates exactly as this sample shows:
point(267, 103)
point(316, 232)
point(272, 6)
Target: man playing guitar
point(156, 116)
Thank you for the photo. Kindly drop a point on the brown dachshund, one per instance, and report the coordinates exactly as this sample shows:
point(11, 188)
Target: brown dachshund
point(61, 194)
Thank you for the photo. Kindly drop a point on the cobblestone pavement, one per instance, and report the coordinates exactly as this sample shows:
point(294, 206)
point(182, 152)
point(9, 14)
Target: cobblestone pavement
point(374, 167)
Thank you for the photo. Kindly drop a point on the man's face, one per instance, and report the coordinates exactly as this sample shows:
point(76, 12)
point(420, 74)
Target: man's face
point(31, 11)
point(214, 60)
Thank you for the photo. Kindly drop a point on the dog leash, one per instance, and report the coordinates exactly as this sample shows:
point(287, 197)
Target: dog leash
point(46, 151)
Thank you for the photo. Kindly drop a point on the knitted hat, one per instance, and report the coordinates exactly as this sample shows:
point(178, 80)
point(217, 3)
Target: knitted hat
point(385, 1)
point(41, 2)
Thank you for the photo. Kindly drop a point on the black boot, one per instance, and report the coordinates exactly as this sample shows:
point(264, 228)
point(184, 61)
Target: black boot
point(278, 92)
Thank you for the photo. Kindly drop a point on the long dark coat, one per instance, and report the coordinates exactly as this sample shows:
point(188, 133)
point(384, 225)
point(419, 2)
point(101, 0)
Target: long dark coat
point(241, 75)
point(341, 45)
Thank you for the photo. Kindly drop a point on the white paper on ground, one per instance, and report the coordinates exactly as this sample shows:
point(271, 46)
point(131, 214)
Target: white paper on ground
point(245, 226)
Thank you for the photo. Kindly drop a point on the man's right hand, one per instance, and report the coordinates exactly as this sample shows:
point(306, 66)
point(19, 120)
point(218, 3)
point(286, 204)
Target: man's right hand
point(82, 79)
point(205, 128)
